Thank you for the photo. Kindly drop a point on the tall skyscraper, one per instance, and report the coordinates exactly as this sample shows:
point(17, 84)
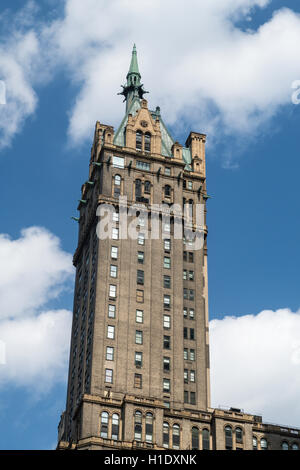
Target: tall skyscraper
point(139, 358)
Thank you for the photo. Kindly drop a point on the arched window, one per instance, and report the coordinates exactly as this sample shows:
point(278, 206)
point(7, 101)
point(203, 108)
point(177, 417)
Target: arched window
point(166, 435)
point(147, 142)
point(138, 426)
point(285, 446)
point(195, 438)
point(264, 444)
point(295, 447)
point(115, 427)
point(149, 427)
point(239, 435)
point(117, 185)
point(104, 425)
point(139, 140)
point(117, 180)
point(228, 438)
point(254, 440)
point(176, 436)
point(168, 191)
point(138, 189)
point(147, 187)
point(205, 439)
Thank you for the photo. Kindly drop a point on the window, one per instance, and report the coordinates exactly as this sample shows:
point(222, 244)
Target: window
point(167, 191)
point(166, 385)
point(112, 291)
point(295, 447)
point(140, 296)
point(147, 142)
point(167, 227)
point(167, 282)
point(192, 314)
point(167, 301)
point(193, 398)
point(239, 435)
point(118, 162)
point(228, 438)
point(104, 425)
point(138, 359)
point(167, 244)
point(186, 376)
point(185, 293)
point(114, 252)
point(138, 380)
point(264, 444)
point(192, 333)
point(113, 271)
point(138, 337)
point(109, 353)
point(141, 239)
point(184, 184)
point(168, 171)
point(191, 257)
point(191, 275)
point(139, 140)
point(195, 438)
point(116, 217)
point(192, 354)
point(185, 312)
point(166, 364)
point(167, 262)
point(176, 436)
point(190, 185)
point(117, 185)
point(185, 256)
point(166, 435)
point(167, 322)
point(186, 396)
point(140, 277)
point(285, 446)
point(191, 294)
point(184, 274)
point(138, 426)
point(115, 427)
point(149, 427)
point(138, 189)
point(192, 376)
point(185, 354)
point(109, 376)
point(254, 442)
point(167, 342)
point(140, 257)
point(111, 332)
point(185, 333)
point(115, 234)
point(139, 317)
point(143, 165)
point(147, 187)
point(112, 311)
point(205, 439)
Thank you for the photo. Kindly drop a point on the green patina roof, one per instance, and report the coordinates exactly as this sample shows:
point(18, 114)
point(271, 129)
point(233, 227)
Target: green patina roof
point(134, 67)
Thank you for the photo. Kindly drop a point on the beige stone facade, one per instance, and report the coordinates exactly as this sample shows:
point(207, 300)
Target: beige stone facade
point(139, 356)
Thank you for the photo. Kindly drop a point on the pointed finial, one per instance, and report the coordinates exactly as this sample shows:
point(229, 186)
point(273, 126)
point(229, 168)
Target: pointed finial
point(134, 67)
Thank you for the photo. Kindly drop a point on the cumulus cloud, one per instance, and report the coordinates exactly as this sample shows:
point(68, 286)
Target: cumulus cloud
point(255, 363)
point(199, 64)
point(34, 340)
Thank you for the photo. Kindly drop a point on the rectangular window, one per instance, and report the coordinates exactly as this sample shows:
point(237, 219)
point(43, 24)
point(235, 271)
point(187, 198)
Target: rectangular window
point(192, 354)
point(186, 376)
point(192, 376)
point(166, 385)
point(167, 342)
point(112, 311)
point(185, 256)
point(140, 277)
point(191, 275)
point(185, 312)
point(192, 294)
point(191, 257)
point(109, 353)
point(185, 294)
point(108, 376)
point(167, 301)
point(192, 314)
point(139, 317)
point(116, 217)
point(190, 185)
point(185, 354)
point(185, 333)
point(167, 282)
point(111, 332)
point(167, 244)
point(138, 337)
point(186, 396)
point(192, 333)
point(166, 364)
point(138, 360)
point(167, 322)
point(141, 239)
point(167, 228)
point(184, 274)
point(168, 171)
point(141, 257)
point(114, 252)
point(113, 271)
point(167, 262)
point(115, 234)
point(138, 380)
point(140, 296)
point(143, 165)
point(193, 398)
point(118, 162)
point(112, 291)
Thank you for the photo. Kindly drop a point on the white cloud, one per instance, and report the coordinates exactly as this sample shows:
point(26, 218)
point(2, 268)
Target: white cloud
point(33, 270)
point(255, 364)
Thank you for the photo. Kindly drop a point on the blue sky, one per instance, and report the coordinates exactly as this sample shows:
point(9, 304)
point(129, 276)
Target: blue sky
point(71, 74)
